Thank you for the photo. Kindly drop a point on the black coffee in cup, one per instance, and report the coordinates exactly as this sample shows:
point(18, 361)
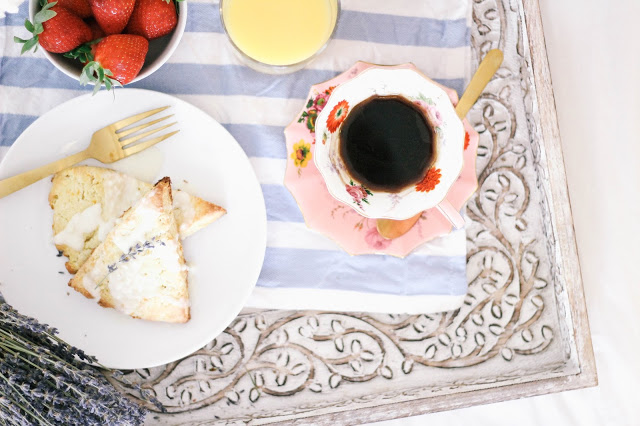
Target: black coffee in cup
point(386, 143)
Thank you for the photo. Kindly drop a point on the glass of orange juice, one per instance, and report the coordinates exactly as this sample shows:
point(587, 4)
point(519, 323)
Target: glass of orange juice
point(279, 36)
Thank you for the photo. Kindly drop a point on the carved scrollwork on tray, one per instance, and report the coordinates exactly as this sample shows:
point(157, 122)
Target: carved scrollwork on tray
point(286, 363)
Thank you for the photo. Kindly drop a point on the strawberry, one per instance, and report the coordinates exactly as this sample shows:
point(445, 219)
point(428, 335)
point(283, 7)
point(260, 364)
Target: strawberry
point(56, 29)
point(152, 18)
point(112, 15)
point(117, 60)
point(79, 7)
point(96, 31)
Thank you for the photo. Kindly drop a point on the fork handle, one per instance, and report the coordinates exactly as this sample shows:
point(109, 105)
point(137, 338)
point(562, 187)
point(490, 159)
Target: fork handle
point(14, 183)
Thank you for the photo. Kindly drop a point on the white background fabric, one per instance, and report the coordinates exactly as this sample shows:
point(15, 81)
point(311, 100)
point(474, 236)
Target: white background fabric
point(9, 6)
point(594, 54)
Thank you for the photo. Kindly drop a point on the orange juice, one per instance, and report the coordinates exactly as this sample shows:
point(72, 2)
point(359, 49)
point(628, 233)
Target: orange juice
point(279, 32)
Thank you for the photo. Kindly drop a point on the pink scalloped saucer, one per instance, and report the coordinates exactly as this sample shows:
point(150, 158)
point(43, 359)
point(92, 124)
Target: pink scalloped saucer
point(323, 213)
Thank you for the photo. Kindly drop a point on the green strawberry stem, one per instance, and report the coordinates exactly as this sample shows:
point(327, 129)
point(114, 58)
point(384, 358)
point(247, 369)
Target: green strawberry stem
point(94, 73)
point(36, 27)
point(82, 53)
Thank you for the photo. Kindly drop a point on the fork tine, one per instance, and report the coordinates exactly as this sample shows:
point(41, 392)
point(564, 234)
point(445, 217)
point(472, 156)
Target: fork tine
point(144, 145)
point(140, 127)
point(136, 138)
point(130, 120)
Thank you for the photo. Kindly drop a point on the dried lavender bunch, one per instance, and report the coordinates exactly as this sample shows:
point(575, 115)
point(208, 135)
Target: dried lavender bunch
point(43, 380)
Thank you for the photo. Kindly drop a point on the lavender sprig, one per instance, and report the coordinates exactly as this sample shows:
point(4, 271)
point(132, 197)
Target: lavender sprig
point(43, 380)
point(134, 251)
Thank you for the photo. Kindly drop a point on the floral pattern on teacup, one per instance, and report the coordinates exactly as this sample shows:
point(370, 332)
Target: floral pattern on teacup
point(325, 137)
point(395, 199)
point(467, 139)
point(314, 106)
point(435, 115)
point(301, 155)
point(359, 193)
point(336, 161)
point(429, 107)
point(337, 115)
point(430, 180)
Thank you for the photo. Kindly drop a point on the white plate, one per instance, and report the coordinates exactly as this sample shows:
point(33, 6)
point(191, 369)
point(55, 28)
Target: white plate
point(226, 256)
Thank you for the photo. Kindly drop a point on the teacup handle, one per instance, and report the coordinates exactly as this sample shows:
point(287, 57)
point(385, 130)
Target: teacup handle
point(451, 214)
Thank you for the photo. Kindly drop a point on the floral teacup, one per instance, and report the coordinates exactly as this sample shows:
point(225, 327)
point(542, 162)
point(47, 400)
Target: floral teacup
point(445, 168)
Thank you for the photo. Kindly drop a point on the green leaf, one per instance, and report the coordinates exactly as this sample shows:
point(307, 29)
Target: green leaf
point(82, 53)
point(29, 26)
point(309, 103)
point(29, 44)
point(43, 3)
point(94, 73)
point(110, 83)
point(87, 74)
point(83, 79)
point(44, 15)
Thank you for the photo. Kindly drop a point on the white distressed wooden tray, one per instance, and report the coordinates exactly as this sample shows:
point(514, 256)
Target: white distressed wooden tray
point(523, 330)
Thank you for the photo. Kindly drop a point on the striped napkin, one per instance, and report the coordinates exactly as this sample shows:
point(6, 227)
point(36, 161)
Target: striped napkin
point(302, 269)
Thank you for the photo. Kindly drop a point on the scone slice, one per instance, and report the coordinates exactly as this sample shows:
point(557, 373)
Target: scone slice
point(86, 202)
point(139, 269)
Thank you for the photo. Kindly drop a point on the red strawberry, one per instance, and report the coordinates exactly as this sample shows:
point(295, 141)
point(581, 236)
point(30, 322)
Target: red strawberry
point(112, 15)
point(56, 29)
point(152, 18)
point(79, 7)
point(96, 31)
point(117, 57)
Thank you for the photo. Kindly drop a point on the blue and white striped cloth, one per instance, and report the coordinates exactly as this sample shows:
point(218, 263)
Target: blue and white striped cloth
point(302, 269)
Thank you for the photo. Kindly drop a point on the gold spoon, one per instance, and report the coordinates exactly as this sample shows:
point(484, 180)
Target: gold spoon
point(390, 228)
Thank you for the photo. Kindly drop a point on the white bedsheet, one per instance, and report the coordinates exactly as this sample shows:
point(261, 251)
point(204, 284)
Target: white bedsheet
point(594, 54)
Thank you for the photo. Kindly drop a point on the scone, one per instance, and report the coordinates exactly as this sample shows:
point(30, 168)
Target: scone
point(87, 201)
point(139, 269)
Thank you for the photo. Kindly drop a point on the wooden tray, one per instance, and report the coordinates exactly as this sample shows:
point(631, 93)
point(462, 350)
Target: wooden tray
point(523, 330)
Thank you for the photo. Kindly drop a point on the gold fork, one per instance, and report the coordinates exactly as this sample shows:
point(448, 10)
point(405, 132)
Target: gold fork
point(107, 145)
